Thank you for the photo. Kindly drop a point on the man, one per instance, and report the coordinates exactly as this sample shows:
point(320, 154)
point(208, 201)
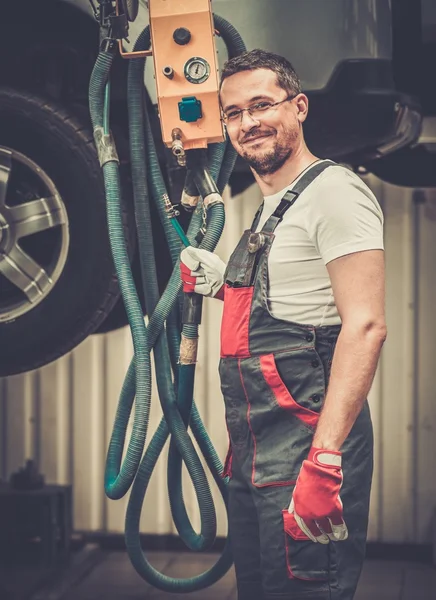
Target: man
point(303, 310)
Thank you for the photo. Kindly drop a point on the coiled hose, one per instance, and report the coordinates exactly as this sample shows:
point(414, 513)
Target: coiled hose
point(179, 410)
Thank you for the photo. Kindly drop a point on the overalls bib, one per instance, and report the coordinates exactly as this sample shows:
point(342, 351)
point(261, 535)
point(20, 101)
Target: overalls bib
point(274, 376)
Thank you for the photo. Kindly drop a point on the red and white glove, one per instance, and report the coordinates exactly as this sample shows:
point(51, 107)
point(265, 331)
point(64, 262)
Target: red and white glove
point(316, 503)
point(202, 272)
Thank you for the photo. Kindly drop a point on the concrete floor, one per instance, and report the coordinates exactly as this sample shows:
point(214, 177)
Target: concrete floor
point(114, 578)
point(96, 574)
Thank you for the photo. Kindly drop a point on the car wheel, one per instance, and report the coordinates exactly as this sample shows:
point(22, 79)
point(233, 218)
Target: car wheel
point(57, 278)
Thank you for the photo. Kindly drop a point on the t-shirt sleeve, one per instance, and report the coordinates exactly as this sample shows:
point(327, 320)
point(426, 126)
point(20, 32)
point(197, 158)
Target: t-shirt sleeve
point(344, 217)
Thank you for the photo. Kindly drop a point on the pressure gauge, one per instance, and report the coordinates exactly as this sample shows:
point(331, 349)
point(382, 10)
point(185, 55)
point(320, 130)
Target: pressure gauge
point(197, 70)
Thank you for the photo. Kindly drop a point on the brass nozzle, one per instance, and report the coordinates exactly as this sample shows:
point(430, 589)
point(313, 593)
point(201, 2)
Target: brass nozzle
point(177, 147)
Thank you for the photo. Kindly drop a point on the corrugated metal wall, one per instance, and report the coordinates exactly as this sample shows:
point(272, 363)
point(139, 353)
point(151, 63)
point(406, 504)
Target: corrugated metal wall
point(62, 414)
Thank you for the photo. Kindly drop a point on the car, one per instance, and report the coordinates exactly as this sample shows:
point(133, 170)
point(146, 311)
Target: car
point(360, 66)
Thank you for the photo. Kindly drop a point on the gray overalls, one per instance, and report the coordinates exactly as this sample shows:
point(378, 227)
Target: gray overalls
point(274, 376)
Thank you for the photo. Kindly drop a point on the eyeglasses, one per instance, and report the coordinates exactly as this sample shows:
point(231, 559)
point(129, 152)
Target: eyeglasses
point(256, 111)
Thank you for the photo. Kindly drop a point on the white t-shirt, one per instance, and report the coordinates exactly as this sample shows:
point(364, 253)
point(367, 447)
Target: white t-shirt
point(337, 214)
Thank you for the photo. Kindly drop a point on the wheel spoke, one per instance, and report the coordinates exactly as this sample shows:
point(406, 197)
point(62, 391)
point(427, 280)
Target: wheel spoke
point(21, 270)
point(35, 216)
point(5, 172)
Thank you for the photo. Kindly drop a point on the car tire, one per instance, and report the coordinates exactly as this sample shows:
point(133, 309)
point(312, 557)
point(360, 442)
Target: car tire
point(59, 150)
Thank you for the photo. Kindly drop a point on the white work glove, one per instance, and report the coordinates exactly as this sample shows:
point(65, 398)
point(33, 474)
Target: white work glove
point(201, 271)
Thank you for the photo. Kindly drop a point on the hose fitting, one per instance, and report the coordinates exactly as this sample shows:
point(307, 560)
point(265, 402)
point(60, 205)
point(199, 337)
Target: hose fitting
point(177, 147)
point(190, 196)
point(213, 198)
point(189, 202)
point(106, 148)
point(168, 71)
point(188, 350)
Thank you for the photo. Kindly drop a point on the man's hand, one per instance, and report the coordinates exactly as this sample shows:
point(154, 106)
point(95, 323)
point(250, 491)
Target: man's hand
point(315, 502)
point(201, 271)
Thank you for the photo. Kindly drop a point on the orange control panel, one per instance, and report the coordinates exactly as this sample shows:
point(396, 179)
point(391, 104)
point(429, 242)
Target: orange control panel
point(185, 62)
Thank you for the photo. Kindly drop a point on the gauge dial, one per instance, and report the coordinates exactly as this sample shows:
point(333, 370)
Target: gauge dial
point(197, 70)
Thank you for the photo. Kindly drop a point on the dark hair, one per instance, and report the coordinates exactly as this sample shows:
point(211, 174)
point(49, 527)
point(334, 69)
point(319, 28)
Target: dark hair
point(287, 78)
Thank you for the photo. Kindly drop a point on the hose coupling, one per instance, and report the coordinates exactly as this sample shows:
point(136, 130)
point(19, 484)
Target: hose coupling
point(189, 202)
point(106, 149)
point(212, 199)
point(170, 208)
point(168, 71)
point(177, 147)
point(188, 351)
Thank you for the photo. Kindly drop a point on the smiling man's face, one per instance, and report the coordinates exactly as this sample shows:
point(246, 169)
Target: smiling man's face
point(267, 141)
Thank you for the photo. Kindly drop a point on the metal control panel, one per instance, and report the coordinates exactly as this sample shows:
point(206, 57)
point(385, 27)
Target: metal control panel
point(186, 70)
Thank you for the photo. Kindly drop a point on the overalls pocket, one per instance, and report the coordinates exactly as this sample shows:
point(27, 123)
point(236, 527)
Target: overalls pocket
point(281, 427)
point(305, 559)
point(283, 395)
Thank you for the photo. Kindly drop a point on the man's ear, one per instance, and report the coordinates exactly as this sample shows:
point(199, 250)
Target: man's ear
point(302, 104)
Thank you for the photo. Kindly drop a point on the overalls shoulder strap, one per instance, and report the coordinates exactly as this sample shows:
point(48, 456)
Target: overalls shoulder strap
point(290, 197)
point(256, 218)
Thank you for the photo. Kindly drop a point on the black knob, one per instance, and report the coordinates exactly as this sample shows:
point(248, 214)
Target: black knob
point(182, 36)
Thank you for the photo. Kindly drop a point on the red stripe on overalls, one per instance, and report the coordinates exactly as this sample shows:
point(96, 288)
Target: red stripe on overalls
point(236, 321)
point(282, 394)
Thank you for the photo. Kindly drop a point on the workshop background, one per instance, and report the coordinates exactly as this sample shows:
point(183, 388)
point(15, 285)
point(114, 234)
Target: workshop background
point(62, 415)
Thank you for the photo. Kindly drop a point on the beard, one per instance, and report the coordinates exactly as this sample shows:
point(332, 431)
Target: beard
point(270, 161)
